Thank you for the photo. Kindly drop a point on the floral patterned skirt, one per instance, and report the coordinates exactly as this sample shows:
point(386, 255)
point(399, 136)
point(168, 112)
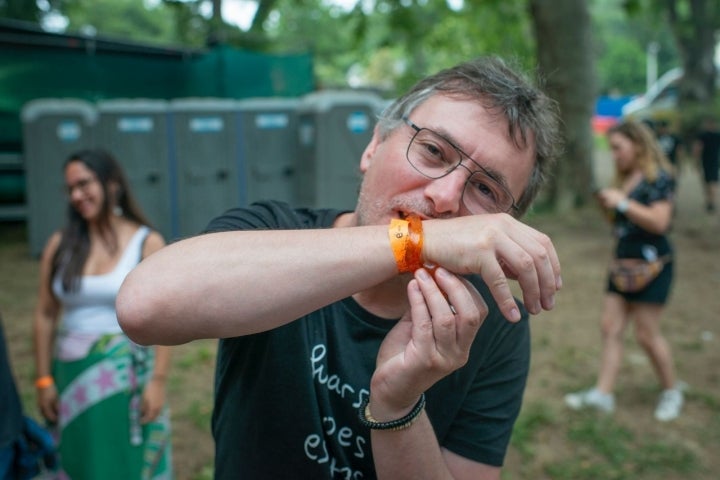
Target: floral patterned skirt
point(99, 431)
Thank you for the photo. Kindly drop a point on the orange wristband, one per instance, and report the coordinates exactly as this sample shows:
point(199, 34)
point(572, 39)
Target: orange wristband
point(406, 241)
point(413, 254)
point(398, 233)
point(44, 382)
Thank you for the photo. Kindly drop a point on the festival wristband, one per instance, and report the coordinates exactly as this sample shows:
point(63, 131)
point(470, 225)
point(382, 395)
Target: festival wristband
point(406, 240)
point(46, 381)
point(398, 233)
point(413, 254)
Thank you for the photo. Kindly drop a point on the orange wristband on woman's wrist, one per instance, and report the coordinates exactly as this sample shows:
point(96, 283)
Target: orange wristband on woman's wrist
point(44, 382)
point(406, 240)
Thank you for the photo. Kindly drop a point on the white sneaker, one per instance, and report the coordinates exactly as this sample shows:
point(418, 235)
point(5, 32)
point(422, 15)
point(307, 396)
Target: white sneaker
point(604, 402)
point(670, 404)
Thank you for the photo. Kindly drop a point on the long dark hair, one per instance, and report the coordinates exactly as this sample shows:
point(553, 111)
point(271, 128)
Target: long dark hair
point(74, 247)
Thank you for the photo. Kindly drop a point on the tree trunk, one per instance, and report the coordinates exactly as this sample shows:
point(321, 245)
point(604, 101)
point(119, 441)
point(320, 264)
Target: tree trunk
point(216, 34)
point(566, 61)
point(695, 37)
point(217, 10)
point(694, 26)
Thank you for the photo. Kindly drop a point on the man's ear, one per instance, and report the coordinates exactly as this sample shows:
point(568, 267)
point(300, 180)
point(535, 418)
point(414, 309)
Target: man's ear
point(369, 152)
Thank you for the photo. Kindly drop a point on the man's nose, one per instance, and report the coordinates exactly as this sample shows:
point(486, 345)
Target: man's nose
point(446, 192)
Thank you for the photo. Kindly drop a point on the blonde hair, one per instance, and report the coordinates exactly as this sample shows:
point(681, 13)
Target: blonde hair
point(650, 158)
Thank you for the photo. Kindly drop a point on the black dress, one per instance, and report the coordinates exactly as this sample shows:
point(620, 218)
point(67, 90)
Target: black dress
point(634, 242)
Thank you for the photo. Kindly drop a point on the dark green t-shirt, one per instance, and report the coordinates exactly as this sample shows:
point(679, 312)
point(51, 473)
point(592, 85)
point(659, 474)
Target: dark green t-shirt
point(287, 399)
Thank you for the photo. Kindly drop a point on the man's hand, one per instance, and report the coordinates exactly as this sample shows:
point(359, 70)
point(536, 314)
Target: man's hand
point(498, 248)
point(431, 340)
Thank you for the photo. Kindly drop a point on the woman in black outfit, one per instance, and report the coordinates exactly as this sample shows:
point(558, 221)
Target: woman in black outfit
point(641, 203)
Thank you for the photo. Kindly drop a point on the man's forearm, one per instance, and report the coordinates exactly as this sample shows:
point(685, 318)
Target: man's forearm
point(414, 454)
point(236, 283)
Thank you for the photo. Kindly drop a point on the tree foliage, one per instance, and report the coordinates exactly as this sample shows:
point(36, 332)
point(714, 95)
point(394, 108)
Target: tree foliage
point(20, 10)
point(397, 41)
point(122, 18)
point(622, 40)
point(388, 45)
point(695, 25)
point(583, 47)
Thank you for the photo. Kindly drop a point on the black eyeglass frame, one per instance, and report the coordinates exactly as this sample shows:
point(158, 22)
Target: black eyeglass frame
point(480, 169)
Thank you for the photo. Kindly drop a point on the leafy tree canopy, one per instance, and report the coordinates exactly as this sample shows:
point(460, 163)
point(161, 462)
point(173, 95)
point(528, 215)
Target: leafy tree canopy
point(386, 44)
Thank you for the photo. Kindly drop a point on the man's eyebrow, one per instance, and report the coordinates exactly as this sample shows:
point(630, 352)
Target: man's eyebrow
point(493, 173)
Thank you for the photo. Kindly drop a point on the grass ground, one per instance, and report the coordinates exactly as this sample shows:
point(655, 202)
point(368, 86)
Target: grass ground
point(549, 442)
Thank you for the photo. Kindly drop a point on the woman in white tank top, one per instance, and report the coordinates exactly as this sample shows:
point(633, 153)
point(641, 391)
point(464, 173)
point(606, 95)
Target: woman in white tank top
point(104, 394)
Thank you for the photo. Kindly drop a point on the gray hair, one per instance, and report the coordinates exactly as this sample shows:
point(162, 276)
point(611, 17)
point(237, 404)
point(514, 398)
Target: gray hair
point(502, 90)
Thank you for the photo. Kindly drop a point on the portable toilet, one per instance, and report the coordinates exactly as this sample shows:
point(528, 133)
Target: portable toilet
point(136, 132)
point(268, 147)
point(334, 129)
point(209, 170)
point(53, 129)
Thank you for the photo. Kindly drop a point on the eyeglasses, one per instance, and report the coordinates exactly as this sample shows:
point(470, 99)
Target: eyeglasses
point(434, 156)
point(83, 185)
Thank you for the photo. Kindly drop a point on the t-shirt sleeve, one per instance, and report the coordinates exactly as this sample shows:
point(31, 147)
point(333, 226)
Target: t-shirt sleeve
point(271, 215)
point(258, 216)
point(662, 189)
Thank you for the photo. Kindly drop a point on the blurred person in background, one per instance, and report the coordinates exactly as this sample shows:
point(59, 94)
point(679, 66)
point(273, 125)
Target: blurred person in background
point(27, 450)
point(706, 148)
point(669, 142)
point(11, 418)
point(641, 202)
point(104, 393)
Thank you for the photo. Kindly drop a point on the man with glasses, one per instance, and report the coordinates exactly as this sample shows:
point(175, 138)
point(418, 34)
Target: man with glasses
point(331, 364)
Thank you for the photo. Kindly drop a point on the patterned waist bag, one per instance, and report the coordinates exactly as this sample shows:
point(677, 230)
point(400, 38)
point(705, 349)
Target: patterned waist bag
point(634, 274)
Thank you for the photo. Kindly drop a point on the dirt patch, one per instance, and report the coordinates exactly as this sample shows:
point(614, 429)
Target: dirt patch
point(566, 347)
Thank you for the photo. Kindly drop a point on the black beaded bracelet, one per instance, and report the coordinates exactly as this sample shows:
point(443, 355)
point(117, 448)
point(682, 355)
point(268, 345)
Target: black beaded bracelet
point(367, 419)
